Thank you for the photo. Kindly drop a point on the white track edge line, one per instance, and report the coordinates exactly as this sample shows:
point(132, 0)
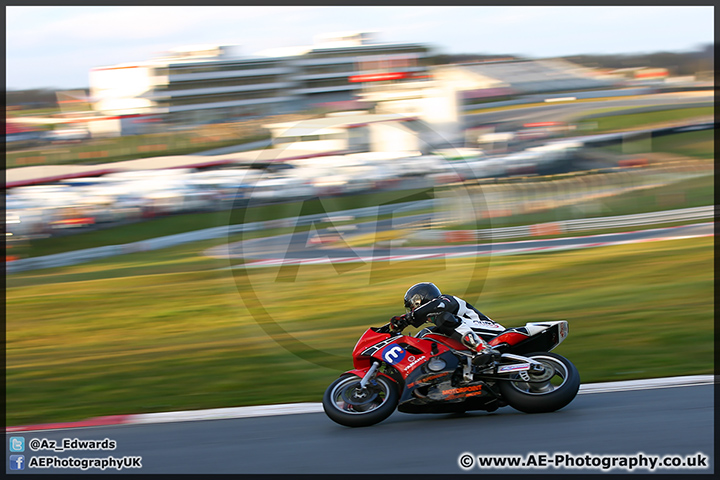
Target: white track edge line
point(297, 408)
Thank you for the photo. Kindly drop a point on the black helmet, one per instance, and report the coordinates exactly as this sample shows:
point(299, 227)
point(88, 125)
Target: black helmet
point(420, 294)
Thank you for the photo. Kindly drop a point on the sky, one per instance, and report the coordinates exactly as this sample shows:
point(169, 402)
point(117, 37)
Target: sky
point(55, 47)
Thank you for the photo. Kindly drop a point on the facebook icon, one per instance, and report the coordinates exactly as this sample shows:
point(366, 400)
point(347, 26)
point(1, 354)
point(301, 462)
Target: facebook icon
point(17, 462)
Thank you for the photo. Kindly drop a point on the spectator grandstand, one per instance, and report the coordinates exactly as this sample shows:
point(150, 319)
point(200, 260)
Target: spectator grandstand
point(540, 76)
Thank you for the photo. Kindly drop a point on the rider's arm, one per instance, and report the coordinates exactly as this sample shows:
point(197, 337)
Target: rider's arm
point(440, 304)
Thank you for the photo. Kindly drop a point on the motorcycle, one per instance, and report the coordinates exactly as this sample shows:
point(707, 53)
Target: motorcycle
point(434, 373)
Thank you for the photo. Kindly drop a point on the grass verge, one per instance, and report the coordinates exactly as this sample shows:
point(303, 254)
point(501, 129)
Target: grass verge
point(171, 329)
point(636, 120)
point(700, 144)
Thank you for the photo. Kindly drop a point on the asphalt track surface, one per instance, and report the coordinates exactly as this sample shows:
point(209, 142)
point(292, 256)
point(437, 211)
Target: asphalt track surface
point(296, 248)
point(514, 118)
point(651, 422)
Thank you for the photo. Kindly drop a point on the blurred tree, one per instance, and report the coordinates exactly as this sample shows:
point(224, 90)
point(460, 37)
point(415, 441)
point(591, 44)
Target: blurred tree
point(32, 98)
point(677, 63)
point(446, 59)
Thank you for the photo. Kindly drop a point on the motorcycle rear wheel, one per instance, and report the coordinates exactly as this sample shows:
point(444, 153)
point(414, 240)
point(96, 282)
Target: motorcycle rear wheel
point(548, 391)
point(345, 403)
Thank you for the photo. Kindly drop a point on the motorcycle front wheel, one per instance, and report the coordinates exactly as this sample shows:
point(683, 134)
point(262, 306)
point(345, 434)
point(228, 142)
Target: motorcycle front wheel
point(348, 404)
point(545, 391)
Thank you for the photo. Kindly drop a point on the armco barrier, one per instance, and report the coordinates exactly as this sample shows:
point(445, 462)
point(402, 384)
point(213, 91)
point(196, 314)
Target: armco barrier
point(667, 216)
point(87, 255)
point(634, 220)
point(653, 218)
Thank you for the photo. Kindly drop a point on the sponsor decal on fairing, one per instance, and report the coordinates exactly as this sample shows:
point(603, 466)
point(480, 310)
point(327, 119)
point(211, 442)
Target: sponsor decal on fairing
point(393, 354)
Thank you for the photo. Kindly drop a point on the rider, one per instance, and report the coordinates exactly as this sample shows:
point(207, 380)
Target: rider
point(452, 316)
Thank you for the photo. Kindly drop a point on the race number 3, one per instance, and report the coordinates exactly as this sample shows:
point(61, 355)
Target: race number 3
point(393, 354)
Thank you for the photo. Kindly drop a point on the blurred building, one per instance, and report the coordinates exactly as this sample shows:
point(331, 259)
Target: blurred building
point(442, 96)
point(204, 83)
point(351, 132)
point(436, 98)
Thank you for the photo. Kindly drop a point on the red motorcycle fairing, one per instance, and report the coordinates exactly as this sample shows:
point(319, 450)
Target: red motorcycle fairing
point(368, 339)
point(432, 374)
point(408, 356)
point(510, 337)
point(403, 353)
point(533, 337)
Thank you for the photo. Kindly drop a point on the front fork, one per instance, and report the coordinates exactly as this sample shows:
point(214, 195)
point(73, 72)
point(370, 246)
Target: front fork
point(370, 375)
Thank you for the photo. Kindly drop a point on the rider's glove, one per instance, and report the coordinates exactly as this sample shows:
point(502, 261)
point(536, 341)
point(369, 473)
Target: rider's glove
point(399, 322)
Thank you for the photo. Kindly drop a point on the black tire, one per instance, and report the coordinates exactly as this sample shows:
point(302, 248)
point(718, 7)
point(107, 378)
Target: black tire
point(364, 408)
point(557, 386)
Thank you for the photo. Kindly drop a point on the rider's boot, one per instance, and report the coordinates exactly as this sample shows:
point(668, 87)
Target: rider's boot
point(483, 353)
